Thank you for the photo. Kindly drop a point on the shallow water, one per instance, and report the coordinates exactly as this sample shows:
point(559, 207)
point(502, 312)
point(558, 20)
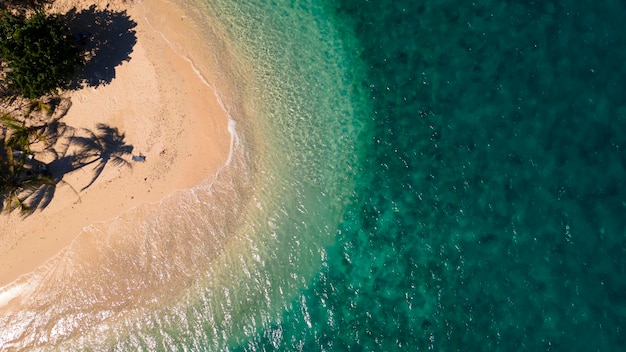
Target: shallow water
point(206, 267)
point(454, 184)
point(489, 212)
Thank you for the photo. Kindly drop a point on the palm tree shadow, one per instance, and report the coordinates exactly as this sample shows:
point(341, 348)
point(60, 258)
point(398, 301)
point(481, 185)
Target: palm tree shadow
point(31, 184)
point(107, 38)
point(106, 146)
point(38, 198)
point(30, 188)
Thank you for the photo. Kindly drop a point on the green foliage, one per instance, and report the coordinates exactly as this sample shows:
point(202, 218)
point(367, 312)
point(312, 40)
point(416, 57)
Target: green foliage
point(23, 6)
point(21, 176)
point(39, 51)
point(21, 136)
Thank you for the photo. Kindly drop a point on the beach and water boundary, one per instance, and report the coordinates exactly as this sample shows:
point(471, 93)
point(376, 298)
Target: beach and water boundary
point(478, 207)
point(201, 246)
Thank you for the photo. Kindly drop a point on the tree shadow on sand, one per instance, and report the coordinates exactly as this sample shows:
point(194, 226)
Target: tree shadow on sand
point(25, 185)
point(25, 181)
point(97, 149)
point(108, 39)
point(93, 150)
point(40, 197)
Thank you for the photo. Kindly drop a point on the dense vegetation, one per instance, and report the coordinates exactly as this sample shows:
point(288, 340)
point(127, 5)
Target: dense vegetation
point(22, 177)
point(23, 5)
point(38, 56)
point(39, 53)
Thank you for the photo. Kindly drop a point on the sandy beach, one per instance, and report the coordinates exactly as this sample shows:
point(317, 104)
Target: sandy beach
point(157, 102)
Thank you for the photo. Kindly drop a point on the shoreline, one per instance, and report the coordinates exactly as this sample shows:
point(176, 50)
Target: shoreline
point(162, 106)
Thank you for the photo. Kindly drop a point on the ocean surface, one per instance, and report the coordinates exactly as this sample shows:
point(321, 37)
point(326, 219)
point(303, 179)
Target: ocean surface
point(404, 176)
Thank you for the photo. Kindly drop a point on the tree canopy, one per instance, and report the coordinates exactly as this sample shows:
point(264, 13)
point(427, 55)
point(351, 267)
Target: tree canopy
point(39, 51)
point(39, 55)
point(23, 5)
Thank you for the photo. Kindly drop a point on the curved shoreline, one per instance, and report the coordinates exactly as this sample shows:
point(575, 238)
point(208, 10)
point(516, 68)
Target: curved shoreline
point(168, 112)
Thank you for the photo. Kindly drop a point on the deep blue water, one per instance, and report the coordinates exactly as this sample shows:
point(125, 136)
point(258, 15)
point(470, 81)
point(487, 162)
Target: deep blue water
point(489, 210)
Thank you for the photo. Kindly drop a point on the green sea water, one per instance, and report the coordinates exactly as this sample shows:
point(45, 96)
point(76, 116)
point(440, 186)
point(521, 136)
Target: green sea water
point(489, 207)
point(405, 176)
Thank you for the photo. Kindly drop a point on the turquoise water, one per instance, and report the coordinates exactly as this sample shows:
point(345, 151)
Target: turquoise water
point(489, 208)
point(434, 175)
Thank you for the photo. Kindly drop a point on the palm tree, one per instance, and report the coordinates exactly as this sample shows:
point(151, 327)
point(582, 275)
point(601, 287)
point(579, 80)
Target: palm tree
point(19, 183)
point(21, 136)
point(17, 191)
point(21, 176)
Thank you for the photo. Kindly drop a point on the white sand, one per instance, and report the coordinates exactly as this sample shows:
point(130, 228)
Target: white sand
point(166, 111)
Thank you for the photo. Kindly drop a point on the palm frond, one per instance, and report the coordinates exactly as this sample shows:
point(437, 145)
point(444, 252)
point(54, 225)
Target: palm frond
point(38, 105)
point(35, 182)
point(11, 122)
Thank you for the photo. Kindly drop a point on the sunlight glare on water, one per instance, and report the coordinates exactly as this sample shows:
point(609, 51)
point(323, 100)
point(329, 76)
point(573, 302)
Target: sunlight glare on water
point(206, 267)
